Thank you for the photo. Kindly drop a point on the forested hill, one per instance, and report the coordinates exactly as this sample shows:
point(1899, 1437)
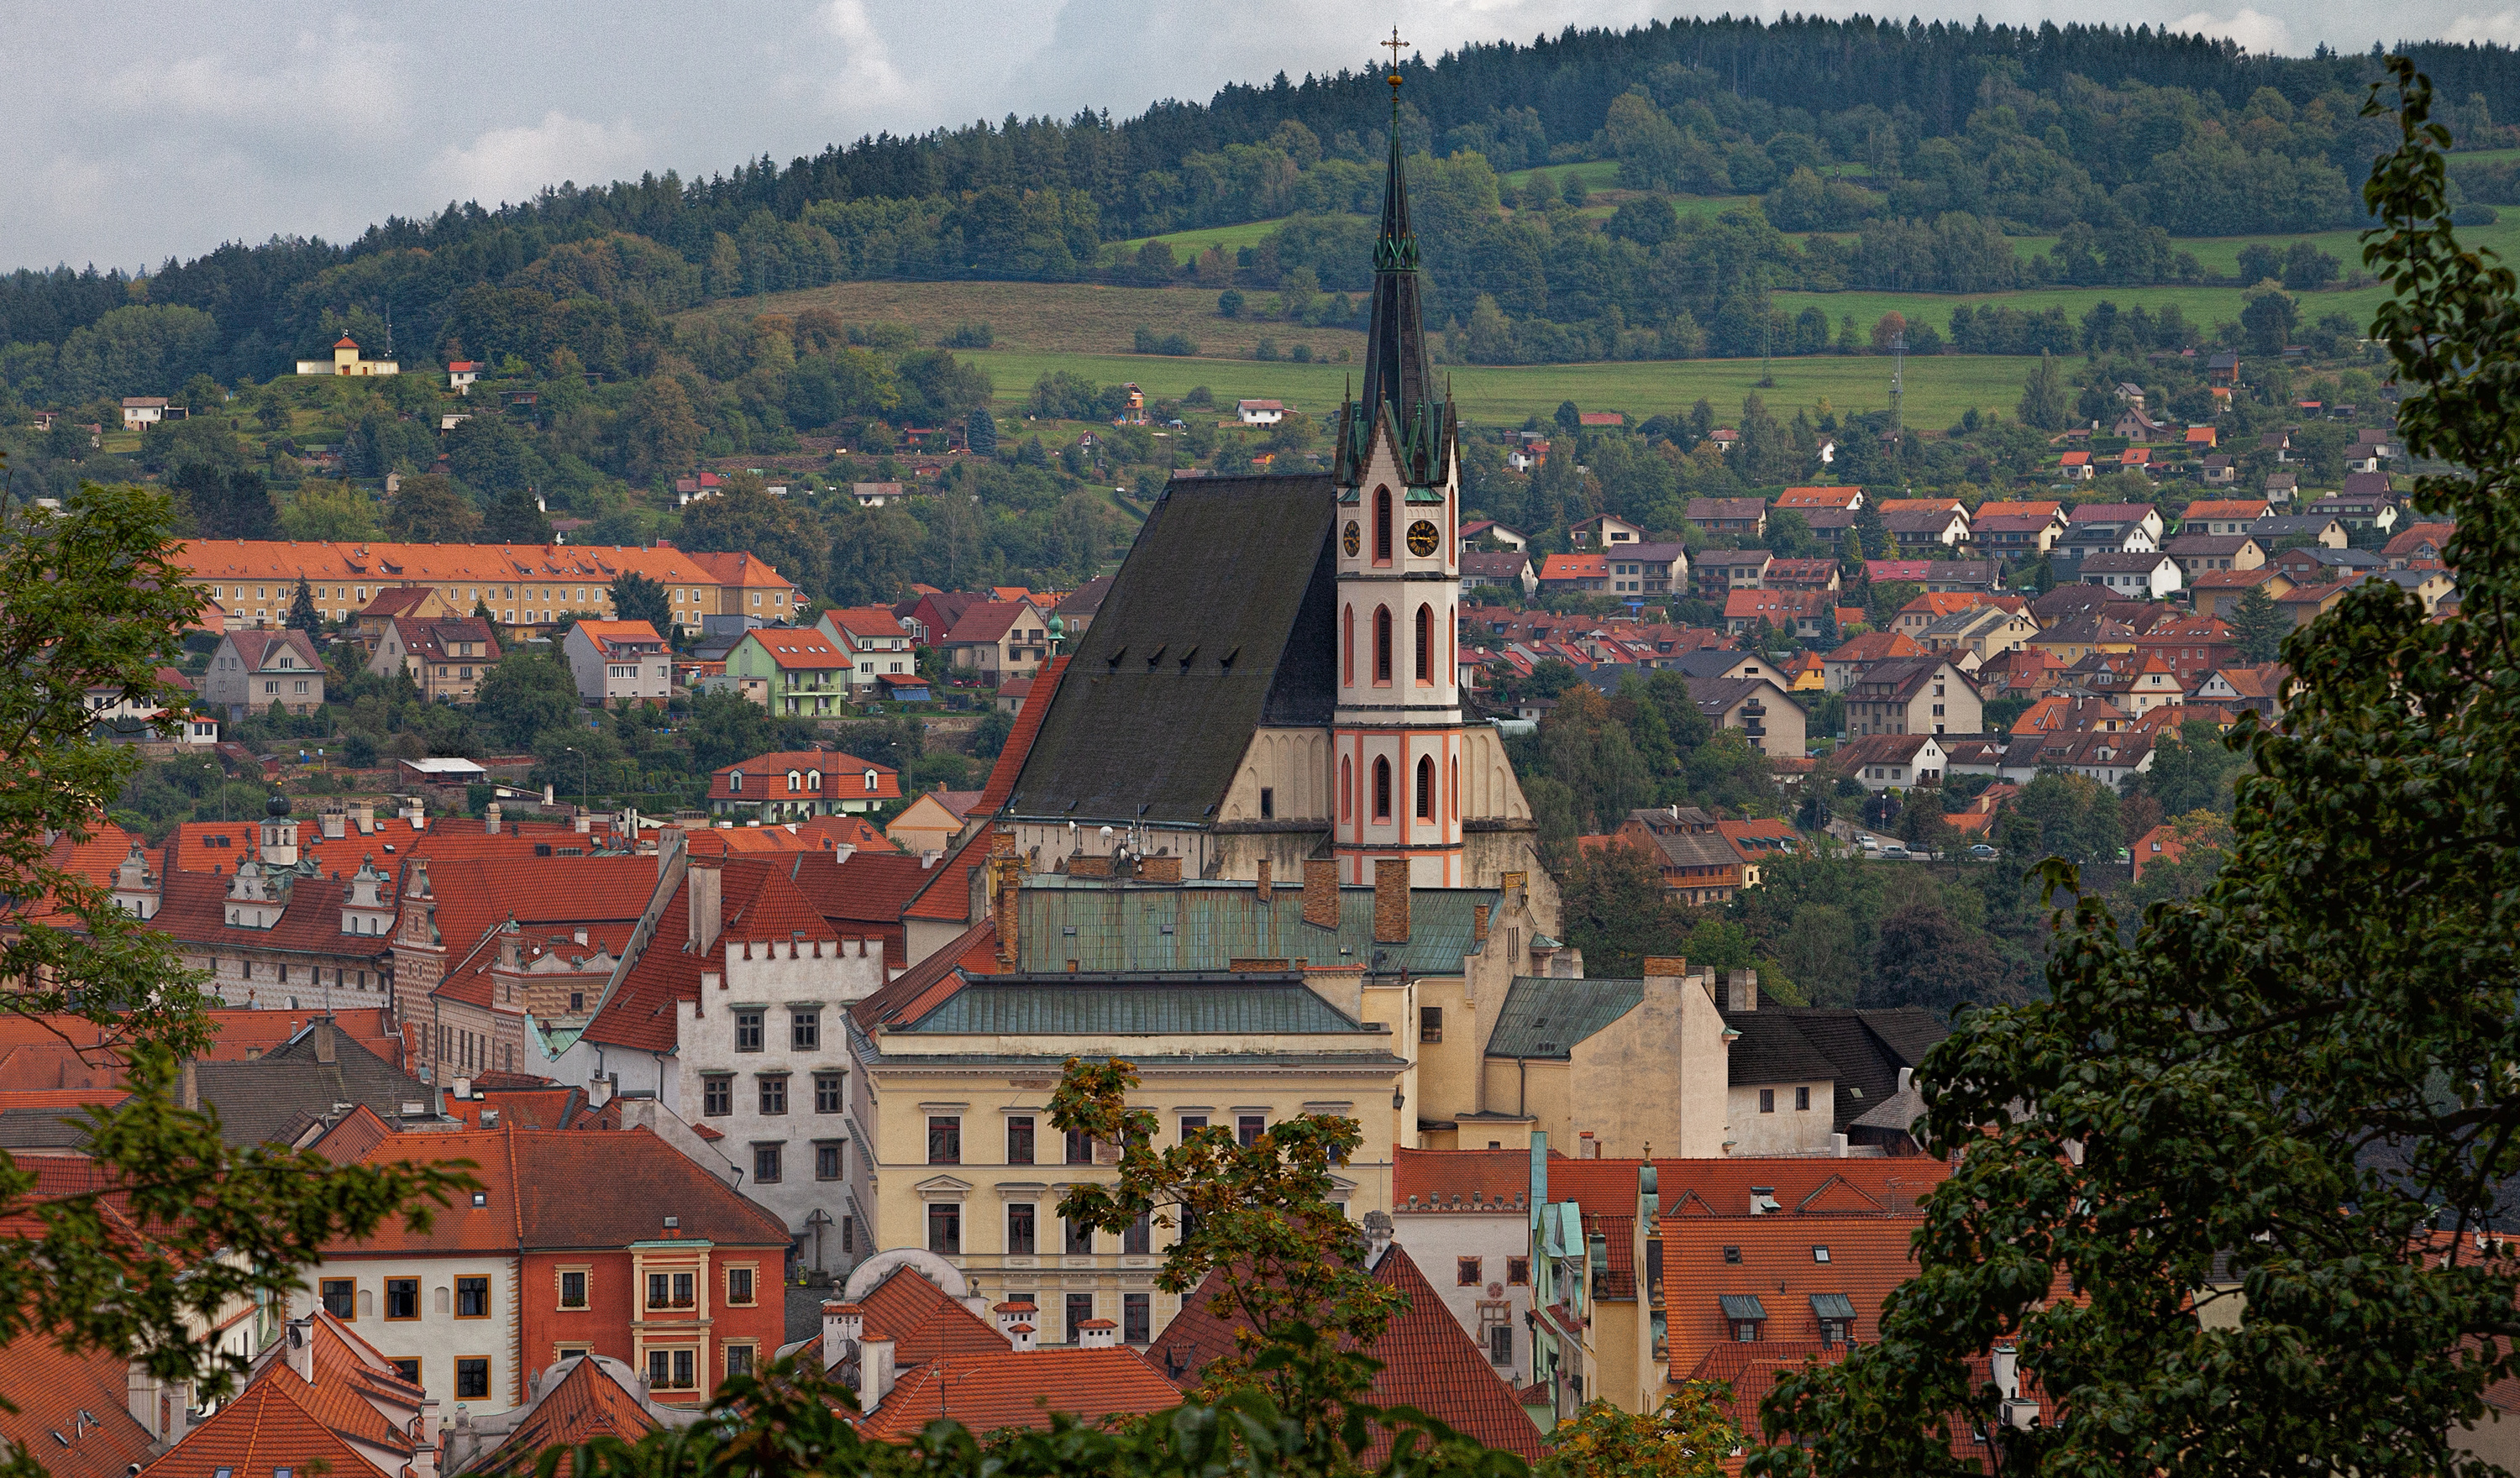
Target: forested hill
point(1930, 141)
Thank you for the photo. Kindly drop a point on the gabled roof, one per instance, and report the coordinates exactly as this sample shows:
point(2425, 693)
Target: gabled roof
point(1881, 749)
point(1163, 647)
point(586, 1403)
point(290, 1086)
point(756, 901)
point(607, 635)
point(1020, 1389)
point(73, 1413)
point(988, 621)
point(864, 621)
point(1547, 1016)
point(1428, 1361)
point(796, 650)
point(843, 777)
point(1877, 646)
point(260, 650)
point(2111, 513)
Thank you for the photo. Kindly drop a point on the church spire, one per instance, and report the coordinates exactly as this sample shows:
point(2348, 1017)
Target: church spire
point(1399, 386)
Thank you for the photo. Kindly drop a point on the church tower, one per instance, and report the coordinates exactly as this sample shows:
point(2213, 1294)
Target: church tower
point(1396, 744)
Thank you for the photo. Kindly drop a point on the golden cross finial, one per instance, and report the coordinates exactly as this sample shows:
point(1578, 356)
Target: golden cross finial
point(1394, 44)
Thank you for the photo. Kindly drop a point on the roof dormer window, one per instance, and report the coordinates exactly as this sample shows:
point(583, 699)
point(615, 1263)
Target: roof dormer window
point(735, 781)
point(870, 781)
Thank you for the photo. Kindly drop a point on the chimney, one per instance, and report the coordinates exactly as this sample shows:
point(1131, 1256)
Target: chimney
point(843, 1323)
point(1013, 1311)
point(1097, 1334)
point(300, 1340)
point(325, 1051)
point(1377, 1238)
point(1006, 885)
point(1020, 1336)
point(1321, 894)
point(1742, 993)
point(1260, 892)
point(599, 1093)
point(1661, 966)
point(1907, 1076)
point(1390, 900)
point(2003, 1366)
point(583, 822)
point(490, 819)
point(875, 1370)
point(702, 887)
point(1479, 923)
point(192, 1089)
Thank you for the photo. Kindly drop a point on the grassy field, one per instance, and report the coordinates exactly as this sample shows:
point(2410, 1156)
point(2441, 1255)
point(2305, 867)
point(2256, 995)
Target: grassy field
point(1198, 239)
point(2201, 306)
point(1063, 318)
point(1597, 174)
point(1937, 389)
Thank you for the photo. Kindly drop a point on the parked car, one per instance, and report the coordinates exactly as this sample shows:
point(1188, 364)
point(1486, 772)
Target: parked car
point(1896, 853)
point(1984, 853)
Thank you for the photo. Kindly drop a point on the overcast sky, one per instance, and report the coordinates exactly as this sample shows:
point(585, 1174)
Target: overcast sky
point(140, 138)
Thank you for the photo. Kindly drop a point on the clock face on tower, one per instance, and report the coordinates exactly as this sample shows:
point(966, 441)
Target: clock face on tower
point(1350, 540)
point(1422, 539)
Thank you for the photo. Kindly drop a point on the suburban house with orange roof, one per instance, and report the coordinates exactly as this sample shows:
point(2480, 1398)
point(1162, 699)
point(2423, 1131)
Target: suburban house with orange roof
point(618, 661)
point(1856, 654)
point(1798, 612)
point(1575, 572)
point(793, 672)
point(423, 603)
point(933, 820)
point(1845, 500)
point(794, 785)
point(2075, 466)
point(2222, 516)
point(1758, 842)
point(319, 1394)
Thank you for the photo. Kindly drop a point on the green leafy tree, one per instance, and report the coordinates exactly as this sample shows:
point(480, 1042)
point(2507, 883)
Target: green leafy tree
point(980, 431)
point(2192, 770)
point(745, 519)
point(2269, 318)
point(1616, 910)
point(726, 727)
point(95, 603)
point(2258, 626)
point(515, 519)
point(2042, 401)
point(1923, 956)
point(2296, 1074)
point(527, 692)
point(428, 508)
point(329, 513)
point(1691, 1435)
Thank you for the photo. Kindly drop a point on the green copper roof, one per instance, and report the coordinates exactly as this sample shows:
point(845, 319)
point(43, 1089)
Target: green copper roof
point(1267, 1004)
point(1544, 1016)
point(1208, 925)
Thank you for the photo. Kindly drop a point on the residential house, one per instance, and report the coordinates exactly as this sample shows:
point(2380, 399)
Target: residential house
point(1721, 572)
point(446, 658)
point(1962, 576)
point(142, 412)
point(1531, 451)
point(1920, 695)
point(2259, 687)
point(2078, 545)
point(2418, 546)
point(1720, 664)
point(1648, 569)
point(2368, 501)
point(2120, 517)
point(933, 820)
point(575, 1401)
point(346, 360)
point(2305, 603)
point(1974, 637)
point(1807, 500)
point(793, 671)
point(2325, 530)
point(2200, 438)
point(2133, 424)
point(1575, 572)
point(620, 661)
point(1759, 707)
point(1803, 574)
point(1259, 412)
point(2219, 593)
point(2104, 755)
point(2216, 470)
point(320, 1399)
point(1748, 1298)
point(2192, 646)
point(2222, 368)
point(1468, 1210)
point(1849, 661)
point(1946, 527)
point(1746, 518)
point(2283, 488)
point(2204, 553)
point(2152, 576)
point(421, 602)
point(873, 640)
point(1906, 571)
point(1805, 613)
point(1698, 867)
point(2027, 671)
point(1000, 639)
point(2430, 586)
point(797, 784)
point(2221, 516)
point(1498, 570)
point(1759, 842)
point(2318, 565)
point(1892, 761)
point(2074, 638)
point(1927, 609)
point(253, 671)
point(1488, 534)
point(580, 1241)
point(1080, 606)
point(2041, 508)
point(1604, 531)
point(2074, 467)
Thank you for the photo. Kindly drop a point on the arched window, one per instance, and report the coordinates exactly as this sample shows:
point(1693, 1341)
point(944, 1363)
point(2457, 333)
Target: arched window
point(1348, 788)
point(1382, 789)
point(1382, 526)
point(735, 782)
point(1382, 643)
point(1425, 643)
point(870, 781)
point(1425, 788)
point(1453, 801)
point(1453, 639)
point(1347, 645)
point(813, 779)
point(795, 782)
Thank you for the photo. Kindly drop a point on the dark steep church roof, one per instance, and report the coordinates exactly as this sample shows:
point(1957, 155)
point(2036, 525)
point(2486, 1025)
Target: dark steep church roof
point(1218, 624)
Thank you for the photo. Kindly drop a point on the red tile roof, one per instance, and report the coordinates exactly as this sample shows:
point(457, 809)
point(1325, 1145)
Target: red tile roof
point(843, 777)
point(1460, 1180)
point(756, 901)
point(988, 621)
point(1775, 1259)
point(628, 635)
point(866, 621)
point(800, 650)
point(280, 1419)
point(1877, 647)
point(1020, 1389)
point(1722, 1187)
point(1011, 759)
point(588, 1402)
point(73, 1414)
